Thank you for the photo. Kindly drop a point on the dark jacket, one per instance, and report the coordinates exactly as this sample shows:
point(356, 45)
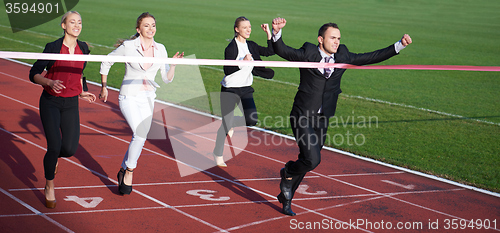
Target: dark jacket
point(315, 90)
point(55, 47)
point(256, 50)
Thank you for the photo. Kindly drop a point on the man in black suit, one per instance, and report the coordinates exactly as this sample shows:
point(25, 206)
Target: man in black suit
point(316, 98)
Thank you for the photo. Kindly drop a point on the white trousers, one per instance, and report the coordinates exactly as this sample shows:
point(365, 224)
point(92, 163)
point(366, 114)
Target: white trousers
point(138, 112)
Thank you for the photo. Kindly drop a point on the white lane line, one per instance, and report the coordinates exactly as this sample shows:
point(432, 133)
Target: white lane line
point(421, 109)
point(15, 77)
point(409, 186)
point(32, 209)
point(306, 212)
point(468, 221)
point(338, 175)
point(202, 181)
point(21, 42)
point(394, 198)
point(47, 35)
point(375, 197)
point(86, 211)
point(240, 203)
point(106, 186)
point(35, 211)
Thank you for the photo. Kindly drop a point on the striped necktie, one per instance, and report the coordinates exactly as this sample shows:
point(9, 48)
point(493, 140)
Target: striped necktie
point(328, 71)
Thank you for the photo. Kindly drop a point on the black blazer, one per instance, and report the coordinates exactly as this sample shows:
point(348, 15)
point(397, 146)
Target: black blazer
point(55, 47)
point(231, 52)
point(314, 89)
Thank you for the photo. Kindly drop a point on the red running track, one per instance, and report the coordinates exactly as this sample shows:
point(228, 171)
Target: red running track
point(343, 194)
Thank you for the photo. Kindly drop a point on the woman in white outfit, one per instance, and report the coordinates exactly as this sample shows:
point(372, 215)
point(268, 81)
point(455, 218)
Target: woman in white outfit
point(137, 92)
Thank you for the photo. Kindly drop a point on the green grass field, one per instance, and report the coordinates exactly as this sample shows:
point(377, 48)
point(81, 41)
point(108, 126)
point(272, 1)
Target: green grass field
point(396, 128)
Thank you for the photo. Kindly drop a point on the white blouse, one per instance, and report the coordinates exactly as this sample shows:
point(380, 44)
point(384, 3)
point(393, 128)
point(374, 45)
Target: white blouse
point(135, 74)
point(242, 77)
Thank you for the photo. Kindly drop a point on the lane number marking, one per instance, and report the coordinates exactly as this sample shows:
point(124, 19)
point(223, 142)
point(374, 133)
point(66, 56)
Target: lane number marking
point(85, 202)
point(410, 186)
point(302, 189)
point(207, 195)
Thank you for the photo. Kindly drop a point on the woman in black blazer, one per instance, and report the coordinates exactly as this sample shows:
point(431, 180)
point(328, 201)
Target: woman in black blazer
point(62, 85)
point(236, 84)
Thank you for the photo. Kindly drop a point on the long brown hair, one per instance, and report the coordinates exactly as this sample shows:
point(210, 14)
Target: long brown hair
point(138, 25)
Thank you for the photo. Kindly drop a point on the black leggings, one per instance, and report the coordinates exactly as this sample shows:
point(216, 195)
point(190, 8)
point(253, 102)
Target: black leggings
point(61, 123)
point(229, 98)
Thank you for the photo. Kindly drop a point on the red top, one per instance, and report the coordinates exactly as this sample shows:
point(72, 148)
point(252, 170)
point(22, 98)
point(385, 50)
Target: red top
point(69, 72)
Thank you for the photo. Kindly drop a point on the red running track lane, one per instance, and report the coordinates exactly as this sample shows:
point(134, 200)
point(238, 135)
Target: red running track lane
point(240, 198)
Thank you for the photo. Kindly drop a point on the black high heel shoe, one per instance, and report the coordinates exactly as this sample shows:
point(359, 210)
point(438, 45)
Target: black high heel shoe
point(122, 187)
point(287, 205)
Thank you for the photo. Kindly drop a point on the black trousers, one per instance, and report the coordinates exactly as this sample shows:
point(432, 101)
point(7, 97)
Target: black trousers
point(61, 123)
point(229, 98)
point(310, 134)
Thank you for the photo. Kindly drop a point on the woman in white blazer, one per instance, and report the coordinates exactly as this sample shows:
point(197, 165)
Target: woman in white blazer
point(137, 92)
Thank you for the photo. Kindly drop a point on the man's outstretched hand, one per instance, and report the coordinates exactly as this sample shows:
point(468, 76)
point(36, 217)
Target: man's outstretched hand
point(278, 24)
point(406, 40)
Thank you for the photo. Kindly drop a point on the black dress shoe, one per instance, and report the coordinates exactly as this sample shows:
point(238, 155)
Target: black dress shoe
point(287, 205)
point(285, 185)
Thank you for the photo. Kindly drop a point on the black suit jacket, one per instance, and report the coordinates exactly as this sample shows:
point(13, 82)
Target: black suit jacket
point(231, 52)
point(55, 47)
point(314, 89)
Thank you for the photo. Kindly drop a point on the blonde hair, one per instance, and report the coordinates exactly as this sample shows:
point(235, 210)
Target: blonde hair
point(65, 16)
